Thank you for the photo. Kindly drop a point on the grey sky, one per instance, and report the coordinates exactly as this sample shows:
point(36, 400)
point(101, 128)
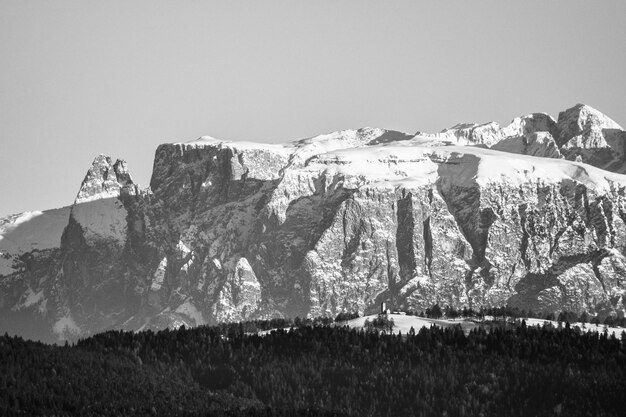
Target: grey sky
point(79, 78)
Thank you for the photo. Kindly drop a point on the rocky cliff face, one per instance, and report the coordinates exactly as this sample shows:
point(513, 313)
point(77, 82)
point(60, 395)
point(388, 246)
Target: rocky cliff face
point(338, 222)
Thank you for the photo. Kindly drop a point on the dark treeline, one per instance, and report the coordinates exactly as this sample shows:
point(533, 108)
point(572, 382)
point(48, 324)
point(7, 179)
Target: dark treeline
point(436, 312)
point(318, 370)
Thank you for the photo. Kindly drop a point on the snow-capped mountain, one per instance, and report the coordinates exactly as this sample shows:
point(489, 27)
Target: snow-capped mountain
point(530, 214)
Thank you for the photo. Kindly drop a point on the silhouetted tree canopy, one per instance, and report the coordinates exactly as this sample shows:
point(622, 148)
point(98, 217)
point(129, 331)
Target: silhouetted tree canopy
point(506, 370)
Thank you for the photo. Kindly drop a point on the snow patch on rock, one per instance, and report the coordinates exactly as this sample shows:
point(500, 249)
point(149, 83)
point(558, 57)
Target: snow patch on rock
point(159, 275)
point(65, 328)
point(29, 299)
point(189, 310)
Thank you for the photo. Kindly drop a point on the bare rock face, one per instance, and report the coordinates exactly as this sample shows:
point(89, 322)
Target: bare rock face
point(319, 228)
point(105, 179)
point(477, 215)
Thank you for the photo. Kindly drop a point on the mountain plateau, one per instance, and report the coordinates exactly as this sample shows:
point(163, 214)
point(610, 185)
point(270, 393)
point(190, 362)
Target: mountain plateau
point(531, 214)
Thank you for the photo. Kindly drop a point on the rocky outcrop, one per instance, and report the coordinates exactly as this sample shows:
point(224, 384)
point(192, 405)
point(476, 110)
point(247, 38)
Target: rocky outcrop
point(586, 133)
point(85, 284)
point(581, 133)
point(339, 222)
point(521, 129)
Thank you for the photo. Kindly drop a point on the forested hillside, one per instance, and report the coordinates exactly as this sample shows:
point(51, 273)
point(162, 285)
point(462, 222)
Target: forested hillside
point(318, 370)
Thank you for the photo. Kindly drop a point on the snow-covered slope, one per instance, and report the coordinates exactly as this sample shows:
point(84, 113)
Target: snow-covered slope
point(403, 324)
point(33, 230)
point(27, 232)
point(476, 215)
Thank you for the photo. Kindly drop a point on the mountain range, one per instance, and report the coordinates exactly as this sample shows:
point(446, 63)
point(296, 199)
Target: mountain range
point(531, 214)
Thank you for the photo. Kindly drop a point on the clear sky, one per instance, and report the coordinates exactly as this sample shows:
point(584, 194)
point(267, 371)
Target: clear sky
point(79, 78)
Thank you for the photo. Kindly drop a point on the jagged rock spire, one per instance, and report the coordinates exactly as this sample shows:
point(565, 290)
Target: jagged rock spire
point(104, 179)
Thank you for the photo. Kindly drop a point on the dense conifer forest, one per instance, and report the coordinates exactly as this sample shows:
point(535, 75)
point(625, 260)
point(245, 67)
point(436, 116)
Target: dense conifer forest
point(318, 370)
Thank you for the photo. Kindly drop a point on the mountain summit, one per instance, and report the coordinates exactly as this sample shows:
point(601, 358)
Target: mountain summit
point(104, 179)
point(531, 214)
